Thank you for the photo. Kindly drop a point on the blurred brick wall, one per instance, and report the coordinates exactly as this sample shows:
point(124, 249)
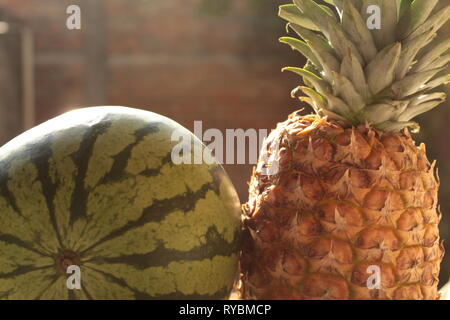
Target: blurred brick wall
point(167, 56)
point(170, 57)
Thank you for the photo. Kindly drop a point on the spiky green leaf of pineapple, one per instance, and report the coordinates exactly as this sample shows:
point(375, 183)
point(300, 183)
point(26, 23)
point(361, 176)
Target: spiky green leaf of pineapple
point(383, 76)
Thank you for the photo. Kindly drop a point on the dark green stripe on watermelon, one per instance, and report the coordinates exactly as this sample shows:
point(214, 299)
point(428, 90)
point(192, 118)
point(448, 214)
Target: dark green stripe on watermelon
point(52, 282)
point(139, 295)
point(49, 188)
point(4, 191)
point(11, 239)
point(86, 292)
point(22, 270)
point(117, 171)
point(81, 158)
point(40, 153)
point(161, 256)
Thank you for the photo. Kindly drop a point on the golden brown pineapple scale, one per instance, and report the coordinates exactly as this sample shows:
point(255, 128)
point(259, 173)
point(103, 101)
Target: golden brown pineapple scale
point(344, 199)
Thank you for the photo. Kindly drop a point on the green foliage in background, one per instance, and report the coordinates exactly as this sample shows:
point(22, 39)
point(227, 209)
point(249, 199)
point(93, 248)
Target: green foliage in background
point(263, 13)
point(215, 7)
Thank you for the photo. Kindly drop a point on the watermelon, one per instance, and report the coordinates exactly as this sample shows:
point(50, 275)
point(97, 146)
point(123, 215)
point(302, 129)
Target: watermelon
point(96, 189)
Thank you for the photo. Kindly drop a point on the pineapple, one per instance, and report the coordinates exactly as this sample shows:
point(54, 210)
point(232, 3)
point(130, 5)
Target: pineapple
point(350, 208)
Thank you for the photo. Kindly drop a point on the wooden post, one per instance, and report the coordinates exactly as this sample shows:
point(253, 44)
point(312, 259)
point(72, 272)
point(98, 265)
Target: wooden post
point(29, 112)
point(95, 51)
point(11, 123)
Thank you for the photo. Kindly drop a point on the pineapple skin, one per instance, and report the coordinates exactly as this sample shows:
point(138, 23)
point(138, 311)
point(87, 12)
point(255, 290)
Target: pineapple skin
point(343, 199)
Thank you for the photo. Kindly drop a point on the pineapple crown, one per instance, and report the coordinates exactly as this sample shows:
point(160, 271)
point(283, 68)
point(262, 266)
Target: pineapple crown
point(383, 75)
